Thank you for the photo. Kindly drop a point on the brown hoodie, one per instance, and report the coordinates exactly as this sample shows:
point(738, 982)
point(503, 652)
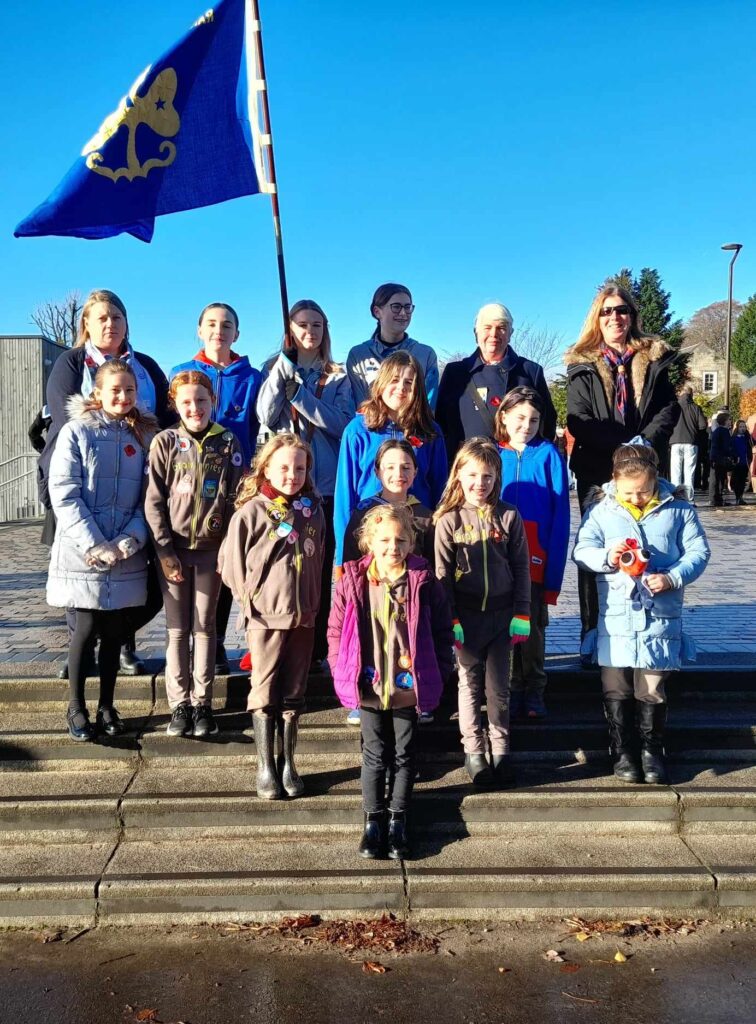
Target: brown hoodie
point(191, 488)
point(272, 560)
point(482, 559)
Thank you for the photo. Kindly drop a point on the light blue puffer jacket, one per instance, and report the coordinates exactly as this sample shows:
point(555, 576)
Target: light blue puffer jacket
point(634, 637)
point(96, 477)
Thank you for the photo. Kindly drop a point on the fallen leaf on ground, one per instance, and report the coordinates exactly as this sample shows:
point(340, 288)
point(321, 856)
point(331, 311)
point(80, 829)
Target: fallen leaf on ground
point(51, 936)
point(581, 999)
point(373, 967)
point(620, 958)
point(505, 970)
point(569, 968)
point(147, 1015)
point(582, 936)
point(554, 956)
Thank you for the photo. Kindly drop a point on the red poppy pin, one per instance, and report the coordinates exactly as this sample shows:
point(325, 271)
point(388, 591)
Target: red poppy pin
point(415, 441)
point(495, 401)
point(129, 450)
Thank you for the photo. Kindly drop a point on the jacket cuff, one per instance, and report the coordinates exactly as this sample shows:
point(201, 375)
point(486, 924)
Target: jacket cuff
point(550, 596)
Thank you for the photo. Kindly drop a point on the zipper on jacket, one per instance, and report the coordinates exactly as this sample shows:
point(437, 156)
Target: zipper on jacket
point(197, 493)
point(117, 471)
point(298, 570)
point(484, 541)
point(386, 627)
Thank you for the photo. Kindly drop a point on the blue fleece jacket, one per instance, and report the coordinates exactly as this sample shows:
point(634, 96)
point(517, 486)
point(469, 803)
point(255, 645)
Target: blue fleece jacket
point(235, 388)
point(535, 482)
point(356, 478)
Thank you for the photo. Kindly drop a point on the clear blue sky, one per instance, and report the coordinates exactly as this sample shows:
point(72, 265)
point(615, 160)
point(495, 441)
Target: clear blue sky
point(480, 151)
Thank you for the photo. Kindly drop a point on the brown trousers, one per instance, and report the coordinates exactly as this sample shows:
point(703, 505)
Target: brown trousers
point(190, 613)
point(483, 665)
point(280, 666)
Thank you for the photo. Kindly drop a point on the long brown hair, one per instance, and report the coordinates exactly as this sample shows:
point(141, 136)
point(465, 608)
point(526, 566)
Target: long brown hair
point(98, 295)
point(477, 449)
point(591, 339)
point(517, 396)
point(417, 417)
point(252, 484)
point(141, 425)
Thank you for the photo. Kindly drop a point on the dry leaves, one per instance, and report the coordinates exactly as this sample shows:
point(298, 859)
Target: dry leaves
point(147, 1015)
point(620, 958)
point(646, 927)
point(373, 967)
point(569, 968)
point(505, 970)
point(554, 956)
point(384, 933)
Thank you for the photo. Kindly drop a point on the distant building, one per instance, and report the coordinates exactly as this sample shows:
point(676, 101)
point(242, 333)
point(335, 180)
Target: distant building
point(25, 364)
point(707, 369)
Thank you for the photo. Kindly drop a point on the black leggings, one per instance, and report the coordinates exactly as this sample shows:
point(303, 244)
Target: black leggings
point(109, 626)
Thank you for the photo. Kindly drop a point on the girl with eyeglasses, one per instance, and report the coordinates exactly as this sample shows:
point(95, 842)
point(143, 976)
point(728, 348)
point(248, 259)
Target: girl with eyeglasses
point(618, 388)
point(392, 307)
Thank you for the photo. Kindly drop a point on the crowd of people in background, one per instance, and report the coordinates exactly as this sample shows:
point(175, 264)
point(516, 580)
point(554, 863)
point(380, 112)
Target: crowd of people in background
point(395, 525)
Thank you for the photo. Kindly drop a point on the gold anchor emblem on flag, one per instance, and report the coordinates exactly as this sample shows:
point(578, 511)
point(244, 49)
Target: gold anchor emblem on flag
point(156, 110)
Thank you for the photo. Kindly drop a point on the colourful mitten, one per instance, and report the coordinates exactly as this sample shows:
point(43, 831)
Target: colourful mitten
point(519, 629)
point(459, 634)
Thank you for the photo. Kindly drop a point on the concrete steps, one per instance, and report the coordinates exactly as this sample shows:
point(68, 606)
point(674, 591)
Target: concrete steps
point(156, 829)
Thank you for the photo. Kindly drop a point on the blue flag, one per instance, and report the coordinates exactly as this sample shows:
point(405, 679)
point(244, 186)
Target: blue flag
point(182, 138)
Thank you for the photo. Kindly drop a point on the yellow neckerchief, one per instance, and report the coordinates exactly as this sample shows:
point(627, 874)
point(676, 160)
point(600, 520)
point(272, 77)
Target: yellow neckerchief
point(373, 576)
point(639, 513)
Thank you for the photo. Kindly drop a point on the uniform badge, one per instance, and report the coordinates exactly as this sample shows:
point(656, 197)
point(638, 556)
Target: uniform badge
point(236, 459)
point(405, 661)
point(129, 450)
point(274, 513)
point(185, 484)
point(227, 435)
point(210, 489)
point(215, 522)
point(404, 681)
point(309, 547)
point(183, 443)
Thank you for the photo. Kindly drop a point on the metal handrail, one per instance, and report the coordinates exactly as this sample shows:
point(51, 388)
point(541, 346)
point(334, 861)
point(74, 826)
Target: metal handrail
point(15, 458)
point(15, 479)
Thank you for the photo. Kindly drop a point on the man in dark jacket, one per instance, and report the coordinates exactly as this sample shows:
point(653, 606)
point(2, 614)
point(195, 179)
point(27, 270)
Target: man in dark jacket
point(688, 435)
point(471, 389)
point(722, 457)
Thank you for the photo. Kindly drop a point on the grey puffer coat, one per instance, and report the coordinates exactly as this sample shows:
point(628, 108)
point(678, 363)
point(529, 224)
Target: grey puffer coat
point(96, 479)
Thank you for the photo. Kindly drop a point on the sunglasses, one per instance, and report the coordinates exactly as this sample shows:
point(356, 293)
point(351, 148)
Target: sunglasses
point(397, 307)
point(607, 311)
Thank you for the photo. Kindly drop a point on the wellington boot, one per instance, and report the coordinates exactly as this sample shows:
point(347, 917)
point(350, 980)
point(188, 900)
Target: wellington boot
point(398, 845)
point(620, 717)
point(479, 771)
point(268, 783)
point(651, 721)
point(290, 778)
point(373, 842)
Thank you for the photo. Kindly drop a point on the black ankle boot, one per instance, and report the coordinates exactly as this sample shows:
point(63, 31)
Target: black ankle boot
point(268, 784)
point(651, 721)
point(479, 770)
point(373, 842)
point(398, 845)
point(620, 717)
point(130, 665)
point(503, 770)
point(290, 777)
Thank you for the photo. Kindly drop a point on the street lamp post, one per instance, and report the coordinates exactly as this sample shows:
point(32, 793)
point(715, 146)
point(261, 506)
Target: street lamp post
point(734, 248)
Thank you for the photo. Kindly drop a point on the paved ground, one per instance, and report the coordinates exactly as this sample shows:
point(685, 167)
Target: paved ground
point(720, 609)
point(480, 975)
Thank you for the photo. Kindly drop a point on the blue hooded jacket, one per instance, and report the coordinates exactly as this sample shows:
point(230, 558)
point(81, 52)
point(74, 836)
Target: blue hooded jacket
point(356, 478)
point(535, 482)
point(629, 635)
point(235, 388)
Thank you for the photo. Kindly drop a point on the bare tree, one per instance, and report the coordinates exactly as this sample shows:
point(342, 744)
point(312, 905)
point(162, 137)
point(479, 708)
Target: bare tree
point(58, 321)
point(542, 345)
point(708, 326)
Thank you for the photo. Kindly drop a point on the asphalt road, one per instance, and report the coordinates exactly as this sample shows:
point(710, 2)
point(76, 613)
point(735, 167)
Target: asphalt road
point(208, 976)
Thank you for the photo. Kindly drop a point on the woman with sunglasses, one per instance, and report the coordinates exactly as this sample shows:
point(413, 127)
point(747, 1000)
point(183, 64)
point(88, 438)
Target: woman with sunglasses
point(392, 307)
point(618, 389)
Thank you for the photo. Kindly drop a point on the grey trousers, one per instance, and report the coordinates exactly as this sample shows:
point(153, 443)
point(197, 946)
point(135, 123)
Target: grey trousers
point(646, 686)
point(190, 613)
point(483, 665)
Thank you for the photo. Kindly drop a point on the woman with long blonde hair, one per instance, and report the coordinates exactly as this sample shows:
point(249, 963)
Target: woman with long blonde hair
point(618, 389)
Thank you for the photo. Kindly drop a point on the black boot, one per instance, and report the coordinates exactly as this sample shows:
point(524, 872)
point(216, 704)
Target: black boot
point(503, 771)
point(222, 667)
point(479, 770)
point(268, 784)
point(130, 665)
point(290, 778)
point(373, 842)
point(620, 716)
point(651, 721)
point(398, 845)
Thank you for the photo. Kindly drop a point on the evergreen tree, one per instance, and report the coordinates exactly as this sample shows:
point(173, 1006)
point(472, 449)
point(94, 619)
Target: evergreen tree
point(744, 339)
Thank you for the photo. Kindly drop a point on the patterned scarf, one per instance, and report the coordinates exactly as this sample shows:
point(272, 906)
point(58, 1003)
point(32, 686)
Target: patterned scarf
point(93, 360)
point(618, 364)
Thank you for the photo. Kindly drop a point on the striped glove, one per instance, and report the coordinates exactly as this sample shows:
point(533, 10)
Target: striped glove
point(519, 629)
point(459, 634)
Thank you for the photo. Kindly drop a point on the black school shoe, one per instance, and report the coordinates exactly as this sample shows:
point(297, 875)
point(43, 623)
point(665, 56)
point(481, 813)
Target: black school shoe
point(109, 721)
point(181, 723)
point(79, 726)
point(204, 722)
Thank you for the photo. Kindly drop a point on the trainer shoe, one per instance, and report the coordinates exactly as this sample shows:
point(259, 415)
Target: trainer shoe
point(534, 705)
point(204, 722)
point(425, 718)
point(353, 718)
point(181, 723)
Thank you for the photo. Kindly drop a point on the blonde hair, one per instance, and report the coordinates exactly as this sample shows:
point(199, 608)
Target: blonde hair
point(98, 295)
point(417, 418)
point(401, 514)
point(591, 338)
point(477, 449)
point(141, 426)
point(252, 484)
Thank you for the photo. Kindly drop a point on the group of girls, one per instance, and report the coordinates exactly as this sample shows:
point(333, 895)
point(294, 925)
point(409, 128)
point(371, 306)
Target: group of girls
point(428, 562)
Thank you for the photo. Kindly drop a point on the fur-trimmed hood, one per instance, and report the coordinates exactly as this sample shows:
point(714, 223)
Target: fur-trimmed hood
point(647, 350)
point(80, 408)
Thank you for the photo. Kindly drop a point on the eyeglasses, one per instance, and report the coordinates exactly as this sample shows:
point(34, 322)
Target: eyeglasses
point(607, 311)
point(397, 307)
